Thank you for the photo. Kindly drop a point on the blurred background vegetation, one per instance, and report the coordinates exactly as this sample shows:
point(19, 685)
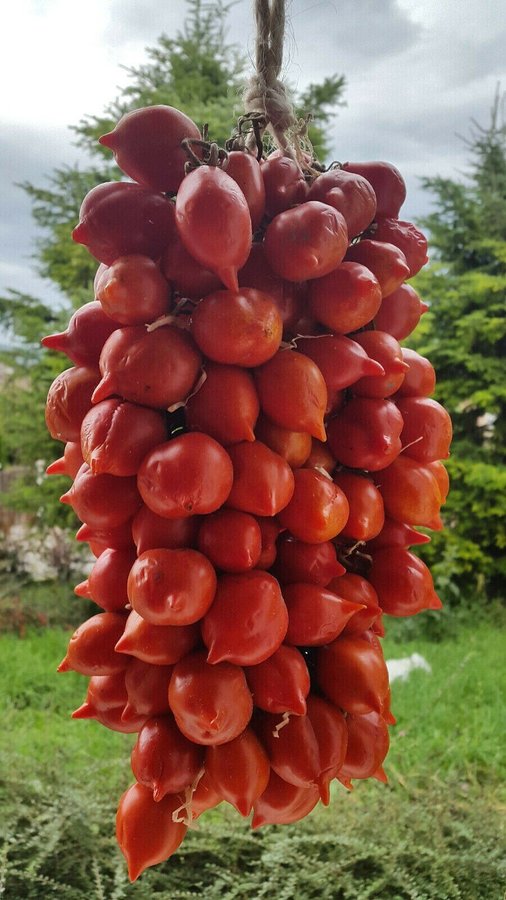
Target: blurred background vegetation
point(433, 832)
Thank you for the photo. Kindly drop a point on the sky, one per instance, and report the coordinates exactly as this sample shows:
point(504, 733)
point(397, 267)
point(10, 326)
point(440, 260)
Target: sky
point(417, 71)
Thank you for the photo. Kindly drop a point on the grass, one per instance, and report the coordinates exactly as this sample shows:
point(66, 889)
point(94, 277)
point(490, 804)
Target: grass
point(433, 832)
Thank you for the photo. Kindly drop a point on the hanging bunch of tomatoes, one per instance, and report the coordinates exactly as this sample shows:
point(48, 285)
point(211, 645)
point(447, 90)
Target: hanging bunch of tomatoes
point(250, 448)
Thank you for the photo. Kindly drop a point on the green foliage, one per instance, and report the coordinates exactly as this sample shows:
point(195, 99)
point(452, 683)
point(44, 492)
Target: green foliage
point(464, 336)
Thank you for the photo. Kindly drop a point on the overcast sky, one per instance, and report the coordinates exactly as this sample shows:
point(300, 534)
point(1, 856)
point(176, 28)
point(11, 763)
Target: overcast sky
point(417, 72)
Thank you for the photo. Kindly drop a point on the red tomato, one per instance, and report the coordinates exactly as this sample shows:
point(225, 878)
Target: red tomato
point(301, 561)
point(116, 436)
point(420, 379)
point(247, 621)
point(405, 236)
point(291, 747)
point(154, 368)
point(403, 582)
point(68, 464)
point(187, 476)
point(214, 222)
point(365, 434)
point(270, 529)
point(160, 645)
point(231, 539)
point(171, 587)
point(352, 674)
point(151, 532)
point(104, 692)
point(226, 405)
point(349, 193)
point(400, 312)
point(147, 831)
point(294, 446)
point(285, 185)
point(386, 262)
point(287, 295)
point(85, 335)
point(263, 480)
point(100, 539)
point(186, 276)
point(382, 347)
point(293, 393)
point(163, 760)
point(106, 584)
point(329, 726)
point(396, 534)
point(346, 299)
point(320, 457)
point(246, 171)
point(239, 770)
point(341, 361)
point(146, 143)
point(133, 291)
point(318, 509)
point(411, 493)
point(280, 683)
point(91, 647)
point(359, 590)
point(240, 327)
point(388, 184)
point(368, 743)
point(316, 615)
point(102, 501)
point(367, 514)
point(211, 704)
point(68, 401)
point(427, 431)
point(307, 241)
point(440, 473)
point(147, 687)
point(282, 803)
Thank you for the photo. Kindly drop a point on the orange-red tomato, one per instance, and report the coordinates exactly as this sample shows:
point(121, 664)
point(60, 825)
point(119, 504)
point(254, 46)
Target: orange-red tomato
point(403, 582)
point(106, 584)
point(359, 590)
point(387, 181)
point(318, 509)
point(91, 649)
point(383, 348)
point(285, 185)
point(85, 335)
point(351, 194)
point(171, 587)
point(263, 481)
point(102, 501)
point(365, 434)
point(329, 726)
point(420, 378)
point(293, 393)
point(316, 614)
point(68, 401)
point(400, 312)
point(116, 436)
point(162, 759)
point(294, 446)
point(427, 430)
point(291, 746)
point(146, 830)
point(281, 683)
point(225, 406)
point(241, 327)
point(352, 674)
point(160, 645)
point(301, 561)
point(147, 687)
point(133, 291)
point(341, 361)
point(367, 515)
point(405, 236)
point(282, 803)
point(231, 539)
point(368, 743)
point(246, 171)
point(151, 532)
point(239, 770)
point(411, 493)
point(386, 262)
point(347, 298)
point(307, 241)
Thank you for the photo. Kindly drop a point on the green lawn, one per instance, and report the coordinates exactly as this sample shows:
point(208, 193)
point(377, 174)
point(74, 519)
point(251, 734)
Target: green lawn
point(433, 832)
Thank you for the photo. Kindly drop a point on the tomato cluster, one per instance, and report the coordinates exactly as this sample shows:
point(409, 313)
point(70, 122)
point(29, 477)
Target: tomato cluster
point(249, 447)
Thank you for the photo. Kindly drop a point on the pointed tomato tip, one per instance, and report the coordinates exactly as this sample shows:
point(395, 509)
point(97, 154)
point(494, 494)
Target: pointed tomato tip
point(299, 707)
point(64, 665)
point(345, 781)
point(85, 711)
point(84, 533)
point(324, 789)
point(80, 233)
point(214, 656)
point(134, 870)
point(424, 307)
point(243, 808)
point(435, 602)
point(107, 140)
point(389, 717)
point(123, 645)
point(258, 820)
point(380, 775)
point(229, 278)
point(57, 467)
point(128, 713)
point(158, 792)
point(55, 341)
point(82, 589)
point(103, 390)
point(373, 367)
point(66, 498)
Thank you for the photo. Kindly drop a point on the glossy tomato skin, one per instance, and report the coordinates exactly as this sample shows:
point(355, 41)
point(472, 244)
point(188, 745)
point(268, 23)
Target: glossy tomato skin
point(263, 482)
point(146, 830)
point(359, 590)
point(427, 431)
point(294, 446)
point(351, 194)
point(291, 747)
point(285, 185)
point(154, 368)
point(386, 261)
point(150, 532)
point(302, 561)
point(102, 501)
point(146, 143)
point(241, 327)
point(231, 539)
point(367, 745)
point(247, 621)
point(239, 770)
point(287, 295)
point(281, 683)
point(68, 464)
point(316, 614)
point(226, 405)
point(91, 650)
point(106, 584)
point(396, 534)
point(133, 291)
point(307, 241)
point(329, 726)
point(403, 582)
point(420, 378)
point(293, 393)
point(117, 435)
point(347, 298)
point(246, 171)
point(367, 515)
point(171, 587)
point(159, 645)
point(186, 276)
point(162, 759)
point(405, 236)
point(352, 674)
point(411, 493)
point(383, 348)
point(283, 803)
point(211, 704)
point(214, 222)
point(318, 509)
point(365, 434)
point(68, 401)
point(190, 475)
point(387, 182)
point(147, 687)
point(341, 361)
point(400, 312)
point(85, 335)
